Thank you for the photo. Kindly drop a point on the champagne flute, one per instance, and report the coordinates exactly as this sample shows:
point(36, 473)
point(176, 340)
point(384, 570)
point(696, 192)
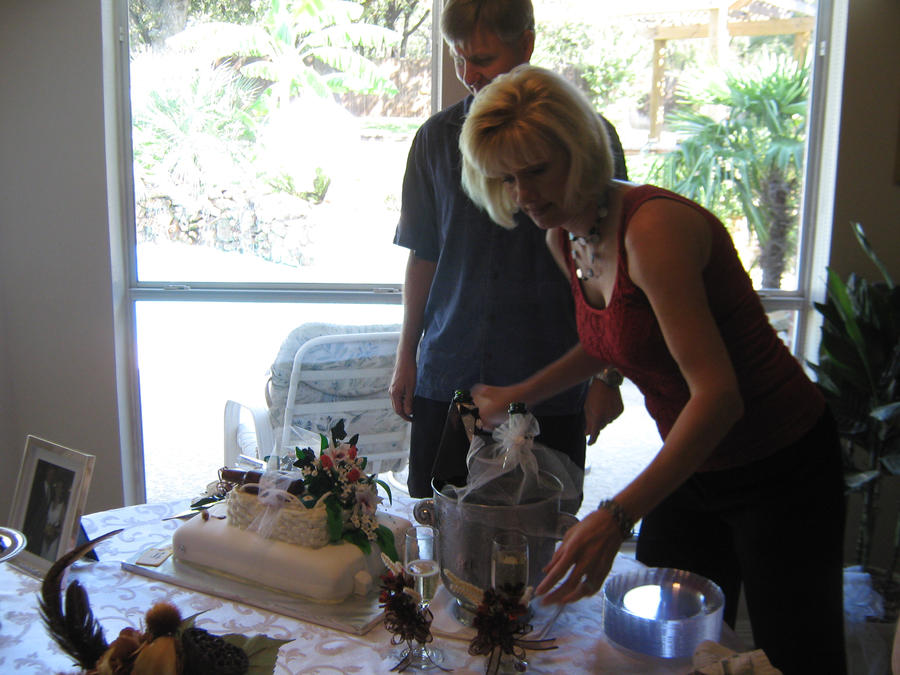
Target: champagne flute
point(509, 559)
point(509, 569)
point(423, 565)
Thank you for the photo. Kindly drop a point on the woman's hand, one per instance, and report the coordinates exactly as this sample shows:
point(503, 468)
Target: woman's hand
point(587, 553)
point(602, 405)
point(493, 403)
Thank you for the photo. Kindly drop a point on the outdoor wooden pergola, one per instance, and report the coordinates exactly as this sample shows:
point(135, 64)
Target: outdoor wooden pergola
point(717, 21)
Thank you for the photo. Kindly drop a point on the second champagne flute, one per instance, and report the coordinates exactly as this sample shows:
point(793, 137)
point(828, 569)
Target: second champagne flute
point(423, 565)
point(509, 559)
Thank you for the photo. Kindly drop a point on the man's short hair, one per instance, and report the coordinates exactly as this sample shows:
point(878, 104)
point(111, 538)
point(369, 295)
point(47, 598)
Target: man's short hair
point(508, 19)
point(513, 124)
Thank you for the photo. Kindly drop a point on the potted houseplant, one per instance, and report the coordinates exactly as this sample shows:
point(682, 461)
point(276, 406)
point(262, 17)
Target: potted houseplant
point(858, 369)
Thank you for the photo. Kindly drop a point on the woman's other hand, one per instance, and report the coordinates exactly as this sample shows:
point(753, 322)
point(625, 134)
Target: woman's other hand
point(602, 405)
point(586, 553)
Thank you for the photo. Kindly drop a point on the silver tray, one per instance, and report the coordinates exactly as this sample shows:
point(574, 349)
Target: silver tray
point(11, 543)
point(357, 615)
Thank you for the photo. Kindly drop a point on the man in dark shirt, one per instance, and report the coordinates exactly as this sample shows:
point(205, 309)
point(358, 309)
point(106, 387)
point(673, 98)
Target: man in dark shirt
point(481, 303)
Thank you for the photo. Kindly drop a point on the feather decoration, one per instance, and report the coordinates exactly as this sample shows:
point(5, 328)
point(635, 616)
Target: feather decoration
point(76, 631)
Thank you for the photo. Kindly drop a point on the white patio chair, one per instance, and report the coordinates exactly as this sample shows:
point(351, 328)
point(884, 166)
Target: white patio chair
point(325, 373)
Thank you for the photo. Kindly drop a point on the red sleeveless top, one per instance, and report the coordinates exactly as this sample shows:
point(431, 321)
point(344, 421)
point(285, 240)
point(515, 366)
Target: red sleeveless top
point(780, 403)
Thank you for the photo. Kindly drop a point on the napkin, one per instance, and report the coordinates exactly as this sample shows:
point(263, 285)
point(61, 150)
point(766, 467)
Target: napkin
point(711, 658)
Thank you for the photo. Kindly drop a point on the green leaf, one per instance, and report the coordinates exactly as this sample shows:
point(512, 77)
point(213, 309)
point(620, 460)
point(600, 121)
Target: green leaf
point(260, 649)
point(385, 539)
point(838, 292)
point(886, 414)
point(386, 487)
point(867, 247)
point(357, 538)
point(335, 518)
point(892, 464)
point(338, 433)
point(204, 502)
point(854, 481)
point(188, 622)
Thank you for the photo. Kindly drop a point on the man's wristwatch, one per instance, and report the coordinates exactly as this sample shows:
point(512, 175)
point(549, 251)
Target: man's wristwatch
point(610, 377)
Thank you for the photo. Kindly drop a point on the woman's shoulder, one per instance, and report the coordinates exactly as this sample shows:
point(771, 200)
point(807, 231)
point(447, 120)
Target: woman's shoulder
point(660, 222)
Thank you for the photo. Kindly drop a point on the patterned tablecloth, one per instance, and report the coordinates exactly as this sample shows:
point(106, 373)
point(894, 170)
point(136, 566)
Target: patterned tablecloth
point(120, 598)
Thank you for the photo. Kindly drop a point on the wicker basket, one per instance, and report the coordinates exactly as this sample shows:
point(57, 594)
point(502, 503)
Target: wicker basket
point(296, 524)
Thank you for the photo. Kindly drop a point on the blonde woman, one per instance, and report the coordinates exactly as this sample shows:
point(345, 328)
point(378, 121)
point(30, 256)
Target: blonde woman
point(746, 488)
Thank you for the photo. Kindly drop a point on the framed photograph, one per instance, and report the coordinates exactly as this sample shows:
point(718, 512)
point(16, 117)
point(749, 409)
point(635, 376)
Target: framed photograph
point(50, 496)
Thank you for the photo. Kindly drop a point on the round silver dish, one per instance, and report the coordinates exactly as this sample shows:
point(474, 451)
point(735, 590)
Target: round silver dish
point(11, 543)
point(661, 611)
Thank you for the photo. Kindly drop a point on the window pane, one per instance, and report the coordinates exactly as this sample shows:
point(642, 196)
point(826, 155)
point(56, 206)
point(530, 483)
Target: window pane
point(270, 139)
point(723, 122)
point(194, 356)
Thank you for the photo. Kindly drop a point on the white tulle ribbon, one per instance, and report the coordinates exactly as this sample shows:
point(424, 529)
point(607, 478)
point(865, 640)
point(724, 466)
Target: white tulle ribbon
point(274, 495)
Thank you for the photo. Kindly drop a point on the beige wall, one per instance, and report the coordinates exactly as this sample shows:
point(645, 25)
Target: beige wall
point(55, 281)
point(866, 189)
point(58, 299)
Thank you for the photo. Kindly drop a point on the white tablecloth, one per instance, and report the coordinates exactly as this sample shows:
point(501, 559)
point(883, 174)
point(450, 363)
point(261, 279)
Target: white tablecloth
point(120, 598)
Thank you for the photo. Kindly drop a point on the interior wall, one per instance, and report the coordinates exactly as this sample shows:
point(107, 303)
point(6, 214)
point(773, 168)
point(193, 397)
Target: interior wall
point(57, 353)
point(867, 190)
point(55, 252)
point(5, 385)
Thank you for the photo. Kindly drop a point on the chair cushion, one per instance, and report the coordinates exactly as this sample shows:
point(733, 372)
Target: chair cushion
point(325, 357)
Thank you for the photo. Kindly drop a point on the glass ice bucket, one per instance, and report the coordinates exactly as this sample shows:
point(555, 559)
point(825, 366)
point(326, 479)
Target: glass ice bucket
point(467, 529)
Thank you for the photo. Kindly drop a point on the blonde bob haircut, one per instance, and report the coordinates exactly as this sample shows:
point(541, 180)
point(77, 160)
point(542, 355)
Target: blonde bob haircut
point(514, 122)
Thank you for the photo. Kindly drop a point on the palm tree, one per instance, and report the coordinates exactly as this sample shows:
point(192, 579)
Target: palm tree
point(749, 161)
point(298, 47)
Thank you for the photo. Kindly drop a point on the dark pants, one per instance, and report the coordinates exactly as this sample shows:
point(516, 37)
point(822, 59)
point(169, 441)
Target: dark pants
point(777, 526)
point(560, 432)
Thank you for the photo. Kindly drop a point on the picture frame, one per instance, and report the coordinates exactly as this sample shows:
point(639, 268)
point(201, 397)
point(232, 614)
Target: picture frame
point(51, 492)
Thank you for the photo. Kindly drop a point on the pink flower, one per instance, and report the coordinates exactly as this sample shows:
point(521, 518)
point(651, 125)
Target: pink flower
point(367, 499)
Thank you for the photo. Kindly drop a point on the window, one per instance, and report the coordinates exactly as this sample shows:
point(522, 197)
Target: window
point(269, 142)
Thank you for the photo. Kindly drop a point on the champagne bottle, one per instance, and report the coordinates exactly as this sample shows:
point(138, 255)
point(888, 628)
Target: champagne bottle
point(239, 477)
point(461, 425)
point(517, 408)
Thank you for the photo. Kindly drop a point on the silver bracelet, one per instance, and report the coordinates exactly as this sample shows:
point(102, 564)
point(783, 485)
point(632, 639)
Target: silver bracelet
point(623, 520)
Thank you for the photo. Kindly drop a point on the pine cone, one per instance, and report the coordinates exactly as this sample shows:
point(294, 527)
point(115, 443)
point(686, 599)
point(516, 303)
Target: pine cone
point(207, 653)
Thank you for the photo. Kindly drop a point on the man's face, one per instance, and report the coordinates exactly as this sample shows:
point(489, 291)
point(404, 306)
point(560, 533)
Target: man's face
point(484, 56)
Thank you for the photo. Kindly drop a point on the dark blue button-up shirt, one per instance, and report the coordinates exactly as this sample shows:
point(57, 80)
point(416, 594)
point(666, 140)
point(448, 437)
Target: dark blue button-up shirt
point(499, 308)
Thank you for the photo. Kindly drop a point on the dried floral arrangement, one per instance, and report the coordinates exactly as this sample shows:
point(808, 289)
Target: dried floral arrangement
point(500, 622)
point(167, 643)
point(404, 617)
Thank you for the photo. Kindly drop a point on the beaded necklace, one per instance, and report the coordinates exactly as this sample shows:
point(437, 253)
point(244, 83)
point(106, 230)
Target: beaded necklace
point(585, 249)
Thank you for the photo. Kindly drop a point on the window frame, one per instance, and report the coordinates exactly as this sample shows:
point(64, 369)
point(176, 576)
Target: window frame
point(813, 247)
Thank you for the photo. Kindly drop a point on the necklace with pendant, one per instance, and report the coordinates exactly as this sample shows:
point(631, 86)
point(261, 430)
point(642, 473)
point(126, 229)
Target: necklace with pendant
point(586, 248)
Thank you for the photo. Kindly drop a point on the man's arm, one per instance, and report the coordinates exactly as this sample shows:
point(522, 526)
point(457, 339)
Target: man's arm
point(416, 286)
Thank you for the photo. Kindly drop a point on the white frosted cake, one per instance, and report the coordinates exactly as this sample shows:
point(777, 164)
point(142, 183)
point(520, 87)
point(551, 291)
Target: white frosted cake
point(329, 574)
point(312, 529)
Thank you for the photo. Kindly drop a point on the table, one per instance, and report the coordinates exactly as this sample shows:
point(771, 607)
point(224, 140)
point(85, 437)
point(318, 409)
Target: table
point(120, 599)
